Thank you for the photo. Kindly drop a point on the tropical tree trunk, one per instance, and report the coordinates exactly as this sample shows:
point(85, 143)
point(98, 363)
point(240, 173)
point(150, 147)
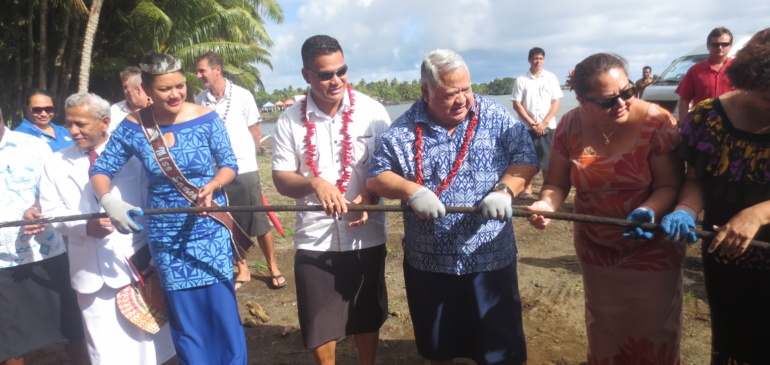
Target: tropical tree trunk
point(58, 61)
point(43, 55)
point(30, 45)
point(88, 44)
point(69, 65)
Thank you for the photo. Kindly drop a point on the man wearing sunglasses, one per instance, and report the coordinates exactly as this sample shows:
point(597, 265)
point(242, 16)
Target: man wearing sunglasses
point(707, 79)
point(321, 153)
point(536, 96)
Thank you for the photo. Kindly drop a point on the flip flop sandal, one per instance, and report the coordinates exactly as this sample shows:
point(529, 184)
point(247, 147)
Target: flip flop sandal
point(277, 280)
point(241, 282)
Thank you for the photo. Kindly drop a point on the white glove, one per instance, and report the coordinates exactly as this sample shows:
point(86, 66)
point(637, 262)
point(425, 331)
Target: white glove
point(497, 206)
point(426, 204)
point(121, 214)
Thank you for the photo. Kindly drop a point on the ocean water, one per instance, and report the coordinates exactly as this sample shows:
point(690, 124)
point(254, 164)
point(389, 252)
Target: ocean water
point(568, 102)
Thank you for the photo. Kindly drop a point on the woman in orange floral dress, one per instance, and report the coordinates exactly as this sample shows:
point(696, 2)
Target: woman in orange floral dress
point(616, 150)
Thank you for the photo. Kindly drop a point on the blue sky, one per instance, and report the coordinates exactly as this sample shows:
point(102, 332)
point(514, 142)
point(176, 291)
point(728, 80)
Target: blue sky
point(386, 39)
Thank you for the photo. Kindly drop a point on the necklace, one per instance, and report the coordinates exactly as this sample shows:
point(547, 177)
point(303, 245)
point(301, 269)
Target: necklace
point(607, 136)
point(458, 162)
point(346, 156)
point(229, 98)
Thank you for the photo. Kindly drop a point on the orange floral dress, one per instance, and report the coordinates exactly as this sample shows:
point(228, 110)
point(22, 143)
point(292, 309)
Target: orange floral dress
point(633, 289)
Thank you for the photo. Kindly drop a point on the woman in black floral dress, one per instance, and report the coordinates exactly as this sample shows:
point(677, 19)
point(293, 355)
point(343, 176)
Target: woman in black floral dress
point(726, 142)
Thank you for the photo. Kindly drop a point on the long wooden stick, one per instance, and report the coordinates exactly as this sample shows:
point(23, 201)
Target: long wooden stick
point(517, 212)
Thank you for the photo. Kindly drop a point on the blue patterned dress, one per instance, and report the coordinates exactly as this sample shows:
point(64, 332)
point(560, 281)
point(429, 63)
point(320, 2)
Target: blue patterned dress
point(189, 251)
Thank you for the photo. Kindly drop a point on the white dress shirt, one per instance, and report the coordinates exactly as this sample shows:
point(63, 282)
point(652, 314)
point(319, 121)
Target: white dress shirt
point(536, 94)
point(66, 190)
point(315, 230)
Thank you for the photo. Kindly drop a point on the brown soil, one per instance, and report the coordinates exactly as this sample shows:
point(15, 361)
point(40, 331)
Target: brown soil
point(549, 279)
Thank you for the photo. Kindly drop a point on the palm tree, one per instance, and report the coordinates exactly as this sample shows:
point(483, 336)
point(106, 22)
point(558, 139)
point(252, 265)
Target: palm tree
point(88, 44)
point(232, 28)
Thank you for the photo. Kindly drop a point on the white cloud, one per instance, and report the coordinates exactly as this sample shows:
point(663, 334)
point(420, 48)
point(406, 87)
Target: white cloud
point(383, 39)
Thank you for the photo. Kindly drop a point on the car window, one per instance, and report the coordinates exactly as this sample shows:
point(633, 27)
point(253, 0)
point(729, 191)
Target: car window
point(674, 73)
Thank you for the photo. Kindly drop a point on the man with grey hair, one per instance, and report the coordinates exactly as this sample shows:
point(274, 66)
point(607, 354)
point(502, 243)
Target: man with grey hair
point(457, 148)
point(136, 99)
point(98, 256)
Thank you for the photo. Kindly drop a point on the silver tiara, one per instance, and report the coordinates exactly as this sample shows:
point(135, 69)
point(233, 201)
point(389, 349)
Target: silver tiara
point(162, 67)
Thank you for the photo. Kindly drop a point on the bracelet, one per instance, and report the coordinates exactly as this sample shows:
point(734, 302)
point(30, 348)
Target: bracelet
point(220, 183)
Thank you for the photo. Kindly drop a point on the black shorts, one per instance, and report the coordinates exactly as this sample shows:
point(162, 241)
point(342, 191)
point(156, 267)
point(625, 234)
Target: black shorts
point(542, 147)
point(245, 190)
point(38, 307)
point(340, 293)
point(476, 316)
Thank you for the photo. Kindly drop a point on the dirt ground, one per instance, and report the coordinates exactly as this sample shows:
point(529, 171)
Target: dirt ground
point(549, 279)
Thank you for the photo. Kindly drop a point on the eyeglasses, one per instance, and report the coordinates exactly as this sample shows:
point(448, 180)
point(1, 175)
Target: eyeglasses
point(328, 75)
point(720, 44)
point(40, 109)
point(608, 103)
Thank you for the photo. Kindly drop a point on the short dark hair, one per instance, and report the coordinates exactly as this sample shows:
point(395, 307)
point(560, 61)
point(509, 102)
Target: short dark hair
point(592, 67)
point(213, 58)
point(318, 45)
point(535, 51)
point(717, 32)
point(750, 70)
point(647, 68)
point(34, 92)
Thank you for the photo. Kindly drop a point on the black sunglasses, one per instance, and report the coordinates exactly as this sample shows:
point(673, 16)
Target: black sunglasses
point(720, 44)
point(612, 100)
point(328, 75)
point(40, 109)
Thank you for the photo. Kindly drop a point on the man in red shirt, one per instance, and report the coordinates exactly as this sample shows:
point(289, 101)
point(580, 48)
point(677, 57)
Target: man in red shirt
point(707, 79)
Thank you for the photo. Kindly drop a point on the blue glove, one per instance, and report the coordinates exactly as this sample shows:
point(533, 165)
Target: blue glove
point(121, 214)
point(496, 206)
point(645, 215)
point(426, 204)
point(678, 227)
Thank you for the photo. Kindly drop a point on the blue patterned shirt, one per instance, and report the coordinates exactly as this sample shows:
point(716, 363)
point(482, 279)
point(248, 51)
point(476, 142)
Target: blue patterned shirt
point(22, 158)
point(458, 243)
point(62, 139)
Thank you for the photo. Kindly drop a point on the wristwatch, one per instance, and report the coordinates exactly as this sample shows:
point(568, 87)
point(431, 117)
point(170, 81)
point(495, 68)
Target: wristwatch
point(503, 188)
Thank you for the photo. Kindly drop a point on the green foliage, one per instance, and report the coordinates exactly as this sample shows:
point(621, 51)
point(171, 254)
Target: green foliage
point(501, 87)
point(127, 30)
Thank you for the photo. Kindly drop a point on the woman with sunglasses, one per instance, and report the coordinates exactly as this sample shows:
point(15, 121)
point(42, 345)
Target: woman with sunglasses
point(616, 151)
point(39, 121)
point(726, 143)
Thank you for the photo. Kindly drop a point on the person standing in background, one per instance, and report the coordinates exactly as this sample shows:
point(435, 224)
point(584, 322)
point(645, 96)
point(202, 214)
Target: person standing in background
point(645, 81)
point(39, 121)
point(238, 111)
point(707, 79)
point(536, 97)
point(131, 78)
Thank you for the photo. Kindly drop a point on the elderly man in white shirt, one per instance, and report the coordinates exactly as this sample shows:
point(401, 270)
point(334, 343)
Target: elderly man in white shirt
point(238, 110)
point(536, 97)
point(136, 99)
point(321, 153)
point(98, 256)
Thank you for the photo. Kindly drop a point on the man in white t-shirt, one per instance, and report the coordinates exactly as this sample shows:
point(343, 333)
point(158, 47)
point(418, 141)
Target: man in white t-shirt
point(535, 97)
point(238, 111)
point(136, 99)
